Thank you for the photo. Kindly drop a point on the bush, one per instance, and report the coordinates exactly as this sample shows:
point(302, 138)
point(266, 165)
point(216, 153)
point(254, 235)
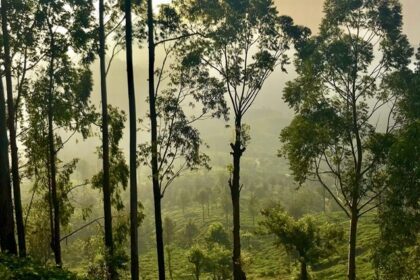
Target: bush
point(12, 268)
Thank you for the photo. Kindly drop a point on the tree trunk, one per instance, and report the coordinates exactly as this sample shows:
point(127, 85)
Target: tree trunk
point(168, 252)
point(197, 272)
point(303, 271)
point(235, 188)
point(7, 231)
point(50, 207)
point(52, 161)
point(202, 210)
point(351, 274)
point(109, 245)
point(133, 144)
point(157, 196)
point(12, 132)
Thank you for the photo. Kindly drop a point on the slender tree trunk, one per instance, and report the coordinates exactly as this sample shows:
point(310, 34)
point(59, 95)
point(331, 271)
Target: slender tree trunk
point(351, 274)
point(303, 271)
point(7, 231)
point(235, 188)
point(197, 272)
point(133, 144)
point(50, 208)
point(12, 132)
point(202, 208)
point(168, 252)
point(153, 120)
point(109, 245)
point(52, 160)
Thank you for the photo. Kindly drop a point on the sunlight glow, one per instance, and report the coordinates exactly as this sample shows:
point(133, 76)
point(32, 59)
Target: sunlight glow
point(156, 3)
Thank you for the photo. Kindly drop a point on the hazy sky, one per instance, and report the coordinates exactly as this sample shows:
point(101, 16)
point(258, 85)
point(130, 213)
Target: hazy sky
point(304, 12)
point(309, 13)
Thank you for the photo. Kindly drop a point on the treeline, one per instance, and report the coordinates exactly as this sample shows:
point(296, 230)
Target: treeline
point(355, 131)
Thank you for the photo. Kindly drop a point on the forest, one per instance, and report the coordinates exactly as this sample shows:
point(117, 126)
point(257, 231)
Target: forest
point(209, 139)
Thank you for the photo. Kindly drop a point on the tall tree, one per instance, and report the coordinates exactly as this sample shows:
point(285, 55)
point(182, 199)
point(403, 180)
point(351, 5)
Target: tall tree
point(7, 232)
point(397, 252)
point(154, 144)
point(133, 142)
point(62, 93)
point(26, 53)
point(169, 233)
point(240, 45)
point(338, 95)
point(118, 179)
point(175, 143)
point(5, 7)
point(106, 188)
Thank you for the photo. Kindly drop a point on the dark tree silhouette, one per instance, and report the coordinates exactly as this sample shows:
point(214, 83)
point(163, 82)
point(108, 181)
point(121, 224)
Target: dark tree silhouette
point(133, 142)
point(175, 144)
point(106, 188)
point(5, 7)
point(7, 227)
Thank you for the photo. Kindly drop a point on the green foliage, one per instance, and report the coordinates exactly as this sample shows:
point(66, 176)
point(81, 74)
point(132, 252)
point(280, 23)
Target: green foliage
point(215, 257)
point(399, 215)
point(244, 41)
point(189, 233)
point(341, 84)
point(183, 96)
point(218, 262)
point(303, 239)
point(216, 235)
point(119, 171)
point(196, 256)
point(12, 268)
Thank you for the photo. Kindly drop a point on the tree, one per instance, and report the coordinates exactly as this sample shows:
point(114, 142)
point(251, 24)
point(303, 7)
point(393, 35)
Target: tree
point(240, 44)
point(183, 199)
point(253, 206)
point(190, 232)
point(196, 256)
point(106, 187)
point(133, 142)
point(218, 262)
point(216, 234)
point(60, 94)
point(175, 143)
point(169, 233)
point(214, 257)
point(202, 197)
point(399, 215)
point(302, 238)
point(5, 8)
point(338, 91)
point(118, 182)
point(26, 52)
point(7, 232)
